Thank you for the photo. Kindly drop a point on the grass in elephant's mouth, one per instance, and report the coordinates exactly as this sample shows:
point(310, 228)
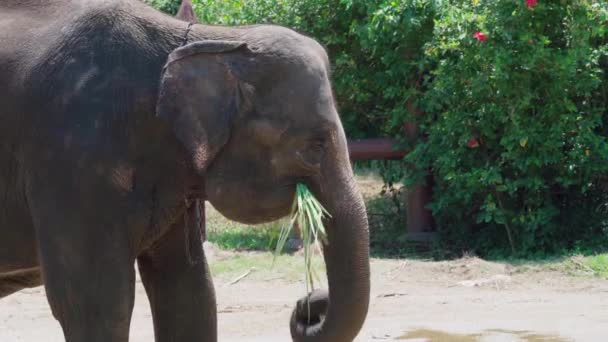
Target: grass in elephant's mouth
point(307, 214)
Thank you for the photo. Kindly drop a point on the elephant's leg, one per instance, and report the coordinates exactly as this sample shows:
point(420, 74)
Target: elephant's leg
point(90, 295)
point(182, 297)
point(88, 270)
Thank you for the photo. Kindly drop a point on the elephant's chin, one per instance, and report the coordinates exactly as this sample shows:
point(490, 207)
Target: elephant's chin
point(251, 214)
point(255, 209)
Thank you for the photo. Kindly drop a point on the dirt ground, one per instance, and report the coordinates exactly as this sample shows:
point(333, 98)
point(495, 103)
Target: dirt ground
point(462, 300)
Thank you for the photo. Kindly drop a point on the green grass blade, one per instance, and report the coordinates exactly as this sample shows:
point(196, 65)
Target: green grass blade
point(308, 214)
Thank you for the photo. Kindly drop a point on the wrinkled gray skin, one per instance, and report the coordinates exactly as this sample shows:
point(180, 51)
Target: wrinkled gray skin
point(99, 148)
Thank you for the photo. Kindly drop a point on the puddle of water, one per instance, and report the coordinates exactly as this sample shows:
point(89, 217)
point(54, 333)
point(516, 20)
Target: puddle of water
point(529, 336)
point(429, 335)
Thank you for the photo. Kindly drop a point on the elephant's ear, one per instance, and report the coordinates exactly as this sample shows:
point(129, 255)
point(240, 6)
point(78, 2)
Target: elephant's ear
point(199, 96)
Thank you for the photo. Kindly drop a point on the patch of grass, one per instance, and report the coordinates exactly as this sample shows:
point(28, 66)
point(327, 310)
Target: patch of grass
point(230, 235)
point(578, 265)
point(594, 265)
point(599, 264)
point(266, 265)
point(257, 238)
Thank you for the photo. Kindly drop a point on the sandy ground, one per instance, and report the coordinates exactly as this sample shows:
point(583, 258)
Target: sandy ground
point(463, 300)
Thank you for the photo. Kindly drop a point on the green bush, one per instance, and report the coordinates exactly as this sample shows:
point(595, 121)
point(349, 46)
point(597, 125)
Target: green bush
point(516, 124)
point(513, 96)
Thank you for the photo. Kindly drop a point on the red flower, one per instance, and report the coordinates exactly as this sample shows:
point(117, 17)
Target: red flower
point(480, 37)
point(473, 143)
point(531, 3)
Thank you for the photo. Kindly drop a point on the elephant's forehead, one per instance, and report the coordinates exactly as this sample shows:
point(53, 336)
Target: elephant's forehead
point(311, 100)
point(283, 42)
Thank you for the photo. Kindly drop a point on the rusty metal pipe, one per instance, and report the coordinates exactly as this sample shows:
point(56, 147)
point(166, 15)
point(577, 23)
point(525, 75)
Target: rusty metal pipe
point(374, 149)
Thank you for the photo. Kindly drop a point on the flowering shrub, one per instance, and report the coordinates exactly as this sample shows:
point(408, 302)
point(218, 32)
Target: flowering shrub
point(524, 83)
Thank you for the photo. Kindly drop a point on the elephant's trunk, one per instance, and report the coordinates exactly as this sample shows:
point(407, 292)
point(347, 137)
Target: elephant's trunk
point(339, 318)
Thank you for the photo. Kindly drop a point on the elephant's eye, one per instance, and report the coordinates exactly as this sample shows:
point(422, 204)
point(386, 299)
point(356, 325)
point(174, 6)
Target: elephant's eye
point(317, 144)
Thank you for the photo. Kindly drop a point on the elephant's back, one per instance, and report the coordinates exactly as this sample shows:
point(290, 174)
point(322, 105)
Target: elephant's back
point(33, 32)
point(64, 53)
point(24, 38)
point(27, 30)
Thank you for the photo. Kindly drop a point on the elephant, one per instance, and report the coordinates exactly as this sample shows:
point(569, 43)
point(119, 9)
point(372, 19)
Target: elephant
point(116, 120)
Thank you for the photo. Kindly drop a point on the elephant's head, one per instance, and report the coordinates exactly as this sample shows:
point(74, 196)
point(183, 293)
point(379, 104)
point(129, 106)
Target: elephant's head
point(257, 116)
